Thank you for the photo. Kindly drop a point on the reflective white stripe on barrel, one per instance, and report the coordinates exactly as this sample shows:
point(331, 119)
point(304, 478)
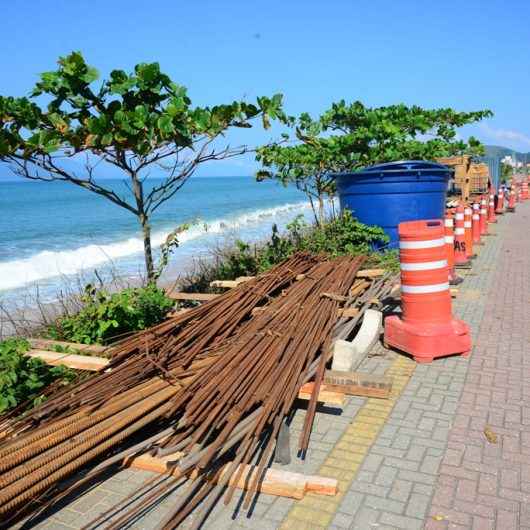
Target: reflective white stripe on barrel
point(467, 224)
point(449, 223)
point(459, 231)
point(476, 217)
point(459, 216)
point(449, 239)
point(425, 266)
point(430, 243)
point(425, 289)
point(483, 211)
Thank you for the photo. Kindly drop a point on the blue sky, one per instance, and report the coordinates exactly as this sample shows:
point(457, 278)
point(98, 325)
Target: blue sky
point(468, 55)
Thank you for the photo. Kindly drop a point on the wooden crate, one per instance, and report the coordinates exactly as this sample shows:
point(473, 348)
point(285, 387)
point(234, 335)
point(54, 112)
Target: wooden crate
point(460, 164)
point(479, 178)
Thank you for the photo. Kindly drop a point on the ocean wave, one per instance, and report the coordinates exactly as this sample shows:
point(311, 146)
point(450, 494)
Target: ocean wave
point(50, 264)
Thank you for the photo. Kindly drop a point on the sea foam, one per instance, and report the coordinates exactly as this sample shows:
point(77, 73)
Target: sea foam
point(50, 264)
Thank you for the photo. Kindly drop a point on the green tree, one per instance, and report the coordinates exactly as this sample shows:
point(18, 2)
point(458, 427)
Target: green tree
point(348, 137)
point(141, 123)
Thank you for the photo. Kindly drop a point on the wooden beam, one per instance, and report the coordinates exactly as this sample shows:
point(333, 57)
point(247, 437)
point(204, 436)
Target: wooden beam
point(349, 312)
point(274, 482)
point(74, 347)
point(192, 297)
point(325, 395)
point(370, 273)
point(71, 360)
point(230, 284)
point(358, 287)
point(358, 384)
point(224, 284)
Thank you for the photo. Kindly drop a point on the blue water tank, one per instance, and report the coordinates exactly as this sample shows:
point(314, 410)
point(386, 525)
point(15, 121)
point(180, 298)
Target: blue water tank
point(388, 194)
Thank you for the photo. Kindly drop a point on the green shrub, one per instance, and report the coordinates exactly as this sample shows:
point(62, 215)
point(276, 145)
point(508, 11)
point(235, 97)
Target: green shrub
point(241, 261)
point(107, 316)
point(338, 236)
point(23, 378)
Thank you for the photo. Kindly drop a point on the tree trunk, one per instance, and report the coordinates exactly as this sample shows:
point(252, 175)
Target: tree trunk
point(148, 252)
point(320, 209)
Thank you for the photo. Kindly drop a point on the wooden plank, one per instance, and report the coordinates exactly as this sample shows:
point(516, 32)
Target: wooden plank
point(74, 347)
point(324, 396)
point(243, 279)
point(192, 297)
point(224, 284)
point(155, 464)
point(358, 384)
point(71, 360)
point(274, 481)
point(370, 273)
point(230, 284)
point(349, 312)
point(358, 287)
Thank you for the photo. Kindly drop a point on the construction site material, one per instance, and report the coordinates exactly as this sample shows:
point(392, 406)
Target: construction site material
point(274, 482)
point(398, 191)
point(214, 383)
point(491, 208)
point(71, 347)
point(371, 273)
point(483, 217)
point(325, 395)
point(358, 384)
point(191, 297)
point(71, 360)
point(427, 329)
point(369, 331)
point(461, 254)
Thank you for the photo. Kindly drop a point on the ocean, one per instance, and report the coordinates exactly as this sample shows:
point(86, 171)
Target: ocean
point(52, 232)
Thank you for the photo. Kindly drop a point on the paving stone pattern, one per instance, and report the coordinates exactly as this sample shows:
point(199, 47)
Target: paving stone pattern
point(421, 459)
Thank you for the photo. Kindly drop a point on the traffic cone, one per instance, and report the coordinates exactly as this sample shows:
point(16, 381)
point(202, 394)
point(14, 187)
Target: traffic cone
point(517, 192)
point(483, 217)
point(500, 202)
point(454, 279)
point(468, 231)
point(511, 201)
point(491, 209)
point(475, 221)
point(461, 259)
point(426, 329)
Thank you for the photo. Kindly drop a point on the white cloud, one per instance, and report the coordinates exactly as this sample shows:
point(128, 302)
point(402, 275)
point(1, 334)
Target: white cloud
point(506, 135)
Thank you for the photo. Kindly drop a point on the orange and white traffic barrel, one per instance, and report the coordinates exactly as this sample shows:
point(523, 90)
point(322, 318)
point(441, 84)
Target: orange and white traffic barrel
point(475, 221)
point(483, 216)
point(491, 209)
point(468, 231)
point(450, 250)
point(426, 328)
point(500, 201)
point(461, 258)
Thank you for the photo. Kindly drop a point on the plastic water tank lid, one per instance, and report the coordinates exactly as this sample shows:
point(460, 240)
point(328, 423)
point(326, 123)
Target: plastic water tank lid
point(406, 165)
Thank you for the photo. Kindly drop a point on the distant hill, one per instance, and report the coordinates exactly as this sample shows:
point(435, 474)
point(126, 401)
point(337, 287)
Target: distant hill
point(498, 150)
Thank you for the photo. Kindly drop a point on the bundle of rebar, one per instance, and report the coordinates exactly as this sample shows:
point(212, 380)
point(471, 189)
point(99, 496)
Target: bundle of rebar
point(212, 383)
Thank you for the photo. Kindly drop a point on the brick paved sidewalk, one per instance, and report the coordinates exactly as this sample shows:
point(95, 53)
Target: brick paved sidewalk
point(421, 459)
point(485, 485)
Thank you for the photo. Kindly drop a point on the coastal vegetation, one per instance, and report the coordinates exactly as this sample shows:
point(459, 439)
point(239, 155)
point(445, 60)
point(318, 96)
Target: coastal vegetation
point(351, 136)
point(106, 316)
point(23, 379)
point(141, 123)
